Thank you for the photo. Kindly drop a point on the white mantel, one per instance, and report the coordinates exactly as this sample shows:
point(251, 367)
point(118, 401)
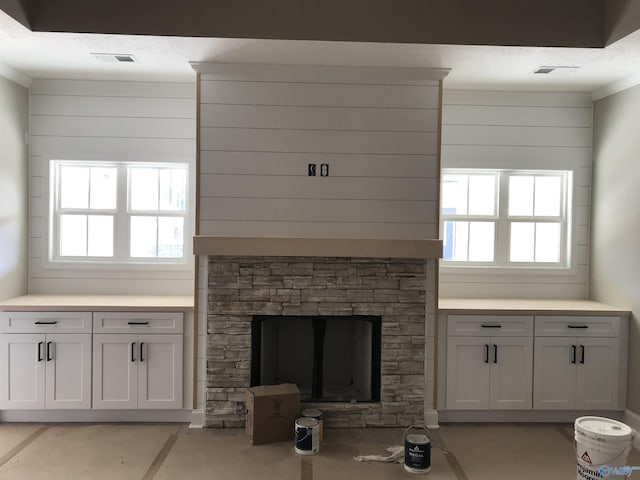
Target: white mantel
point(313, 247)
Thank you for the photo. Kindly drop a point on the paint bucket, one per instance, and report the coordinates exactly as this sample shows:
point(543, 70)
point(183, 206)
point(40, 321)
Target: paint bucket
point(307, 436)
point(317, 414)
point(417, 450)
point(602, 444)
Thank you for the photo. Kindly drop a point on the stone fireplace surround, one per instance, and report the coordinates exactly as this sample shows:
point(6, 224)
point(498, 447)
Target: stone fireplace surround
point(400, 290)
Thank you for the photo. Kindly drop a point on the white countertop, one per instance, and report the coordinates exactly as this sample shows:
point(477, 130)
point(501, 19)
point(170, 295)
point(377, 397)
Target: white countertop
point(516, 306)
point(164, 303)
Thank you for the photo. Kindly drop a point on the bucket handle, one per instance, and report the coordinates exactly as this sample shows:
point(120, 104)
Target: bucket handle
point(417, 427)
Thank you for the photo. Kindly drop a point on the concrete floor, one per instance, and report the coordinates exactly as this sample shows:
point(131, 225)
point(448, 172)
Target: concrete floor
point(168, 452)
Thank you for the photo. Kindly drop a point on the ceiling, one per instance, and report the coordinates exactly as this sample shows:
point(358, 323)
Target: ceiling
point(27, 54)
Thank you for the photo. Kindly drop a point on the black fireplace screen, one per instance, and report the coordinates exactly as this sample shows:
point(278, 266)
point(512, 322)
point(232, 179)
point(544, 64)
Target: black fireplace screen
point(331, 359)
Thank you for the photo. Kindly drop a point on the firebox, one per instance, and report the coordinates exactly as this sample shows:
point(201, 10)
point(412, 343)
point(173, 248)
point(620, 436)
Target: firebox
point(330, 358)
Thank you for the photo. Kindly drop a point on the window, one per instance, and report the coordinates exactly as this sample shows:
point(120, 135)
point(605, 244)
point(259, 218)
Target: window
point(508, 218)
point(118, 212)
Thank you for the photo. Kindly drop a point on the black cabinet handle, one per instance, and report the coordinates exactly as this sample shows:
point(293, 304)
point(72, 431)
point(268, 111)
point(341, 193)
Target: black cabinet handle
point(40, 351)
point(133, 351)
point(141, 357)
point(582, 354)
point(573, 354)
point(495, 353)
point(49, 351)
point(41, 322)
point(491, 325)
point(486, 353)
point(137, 323)
point(577, 326)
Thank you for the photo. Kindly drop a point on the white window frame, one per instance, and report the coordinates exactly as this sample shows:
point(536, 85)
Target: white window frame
point(503, 222)
point(122, 214)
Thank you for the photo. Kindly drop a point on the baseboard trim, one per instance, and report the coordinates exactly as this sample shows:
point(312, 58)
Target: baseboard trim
point(197, 419)
point(431, 419)
point(90, 416)
point(517, 416)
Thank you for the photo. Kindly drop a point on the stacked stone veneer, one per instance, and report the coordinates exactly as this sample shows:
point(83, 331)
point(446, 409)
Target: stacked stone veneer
point(394, 289)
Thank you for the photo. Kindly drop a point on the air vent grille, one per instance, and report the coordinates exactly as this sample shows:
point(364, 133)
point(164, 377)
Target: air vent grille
point(114, 57)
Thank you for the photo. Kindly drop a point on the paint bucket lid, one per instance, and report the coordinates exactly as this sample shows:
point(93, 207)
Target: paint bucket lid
point(603, 427)
point(307, 422)
point(311, 412)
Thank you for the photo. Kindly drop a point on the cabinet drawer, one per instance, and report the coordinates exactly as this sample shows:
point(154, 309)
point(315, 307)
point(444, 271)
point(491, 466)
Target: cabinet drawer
point(45, 322)
point(490, 325)
point(137, 322)
point(577, 326)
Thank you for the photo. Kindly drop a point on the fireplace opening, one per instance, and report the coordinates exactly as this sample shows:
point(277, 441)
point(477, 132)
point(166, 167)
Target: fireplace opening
point(330, 358)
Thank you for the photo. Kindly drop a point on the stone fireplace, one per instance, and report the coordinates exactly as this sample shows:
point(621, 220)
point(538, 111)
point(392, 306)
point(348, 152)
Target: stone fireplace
point(400, 291)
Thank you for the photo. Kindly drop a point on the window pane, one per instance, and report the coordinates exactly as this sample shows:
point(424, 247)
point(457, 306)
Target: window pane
point(548, 195)
point(144, 237)
point(548, 242)
point(520, 195)
point(100, 236)
point(103, 187)
point(170, 236)
point(522, 242)
point(173, 189)
point(73, 235)
point(481, 241)
point(454, 194)
point(482, 195)
point(458, 233)
point(74, 187)
point(143, 188)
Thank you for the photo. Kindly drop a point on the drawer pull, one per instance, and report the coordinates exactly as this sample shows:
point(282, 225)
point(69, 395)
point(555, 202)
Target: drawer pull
point(42, 322)
point(578, 326)
point(137, 323)
point(491, 325)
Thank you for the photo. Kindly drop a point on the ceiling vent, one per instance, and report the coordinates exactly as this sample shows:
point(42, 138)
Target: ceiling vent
point(548, 69)
point(115, 57)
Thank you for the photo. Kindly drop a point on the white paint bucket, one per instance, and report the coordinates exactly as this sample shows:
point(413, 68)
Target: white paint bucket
point(307, 436)
point(602, 444)
point(318, 415)
point(417, 450)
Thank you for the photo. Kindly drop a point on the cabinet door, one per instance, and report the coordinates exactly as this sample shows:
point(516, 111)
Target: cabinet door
point(554, 385)
point(468, 373)
point(22, 371)
point(511, 373)
point(160, 371)
point(115, 367)
point(597, 374)
point(68, 367)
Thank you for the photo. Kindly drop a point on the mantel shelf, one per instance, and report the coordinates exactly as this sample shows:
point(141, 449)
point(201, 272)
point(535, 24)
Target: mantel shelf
point(308, 247)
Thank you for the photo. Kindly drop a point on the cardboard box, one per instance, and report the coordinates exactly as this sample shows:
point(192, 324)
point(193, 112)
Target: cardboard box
point(272, 411)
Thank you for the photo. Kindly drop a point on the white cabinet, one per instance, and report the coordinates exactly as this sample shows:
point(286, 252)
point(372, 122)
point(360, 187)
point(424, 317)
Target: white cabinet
point(139, 365)
point(47, 369)
point(489, 363)
point(577, 363)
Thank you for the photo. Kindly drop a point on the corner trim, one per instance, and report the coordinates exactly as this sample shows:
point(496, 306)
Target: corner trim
point(615, 87)
point(15, 76)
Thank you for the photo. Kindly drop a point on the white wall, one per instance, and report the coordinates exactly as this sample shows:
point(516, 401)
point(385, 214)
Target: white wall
point(615, 255)
point(530, 131)
point(96, 120)
point(261, 125)
point(14, 117)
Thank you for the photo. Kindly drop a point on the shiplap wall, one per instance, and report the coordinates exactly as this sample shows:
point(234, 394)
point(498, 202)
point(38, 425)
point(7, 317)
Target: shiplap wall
point(111, 121)
point(530, 131)
point(261, 125)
